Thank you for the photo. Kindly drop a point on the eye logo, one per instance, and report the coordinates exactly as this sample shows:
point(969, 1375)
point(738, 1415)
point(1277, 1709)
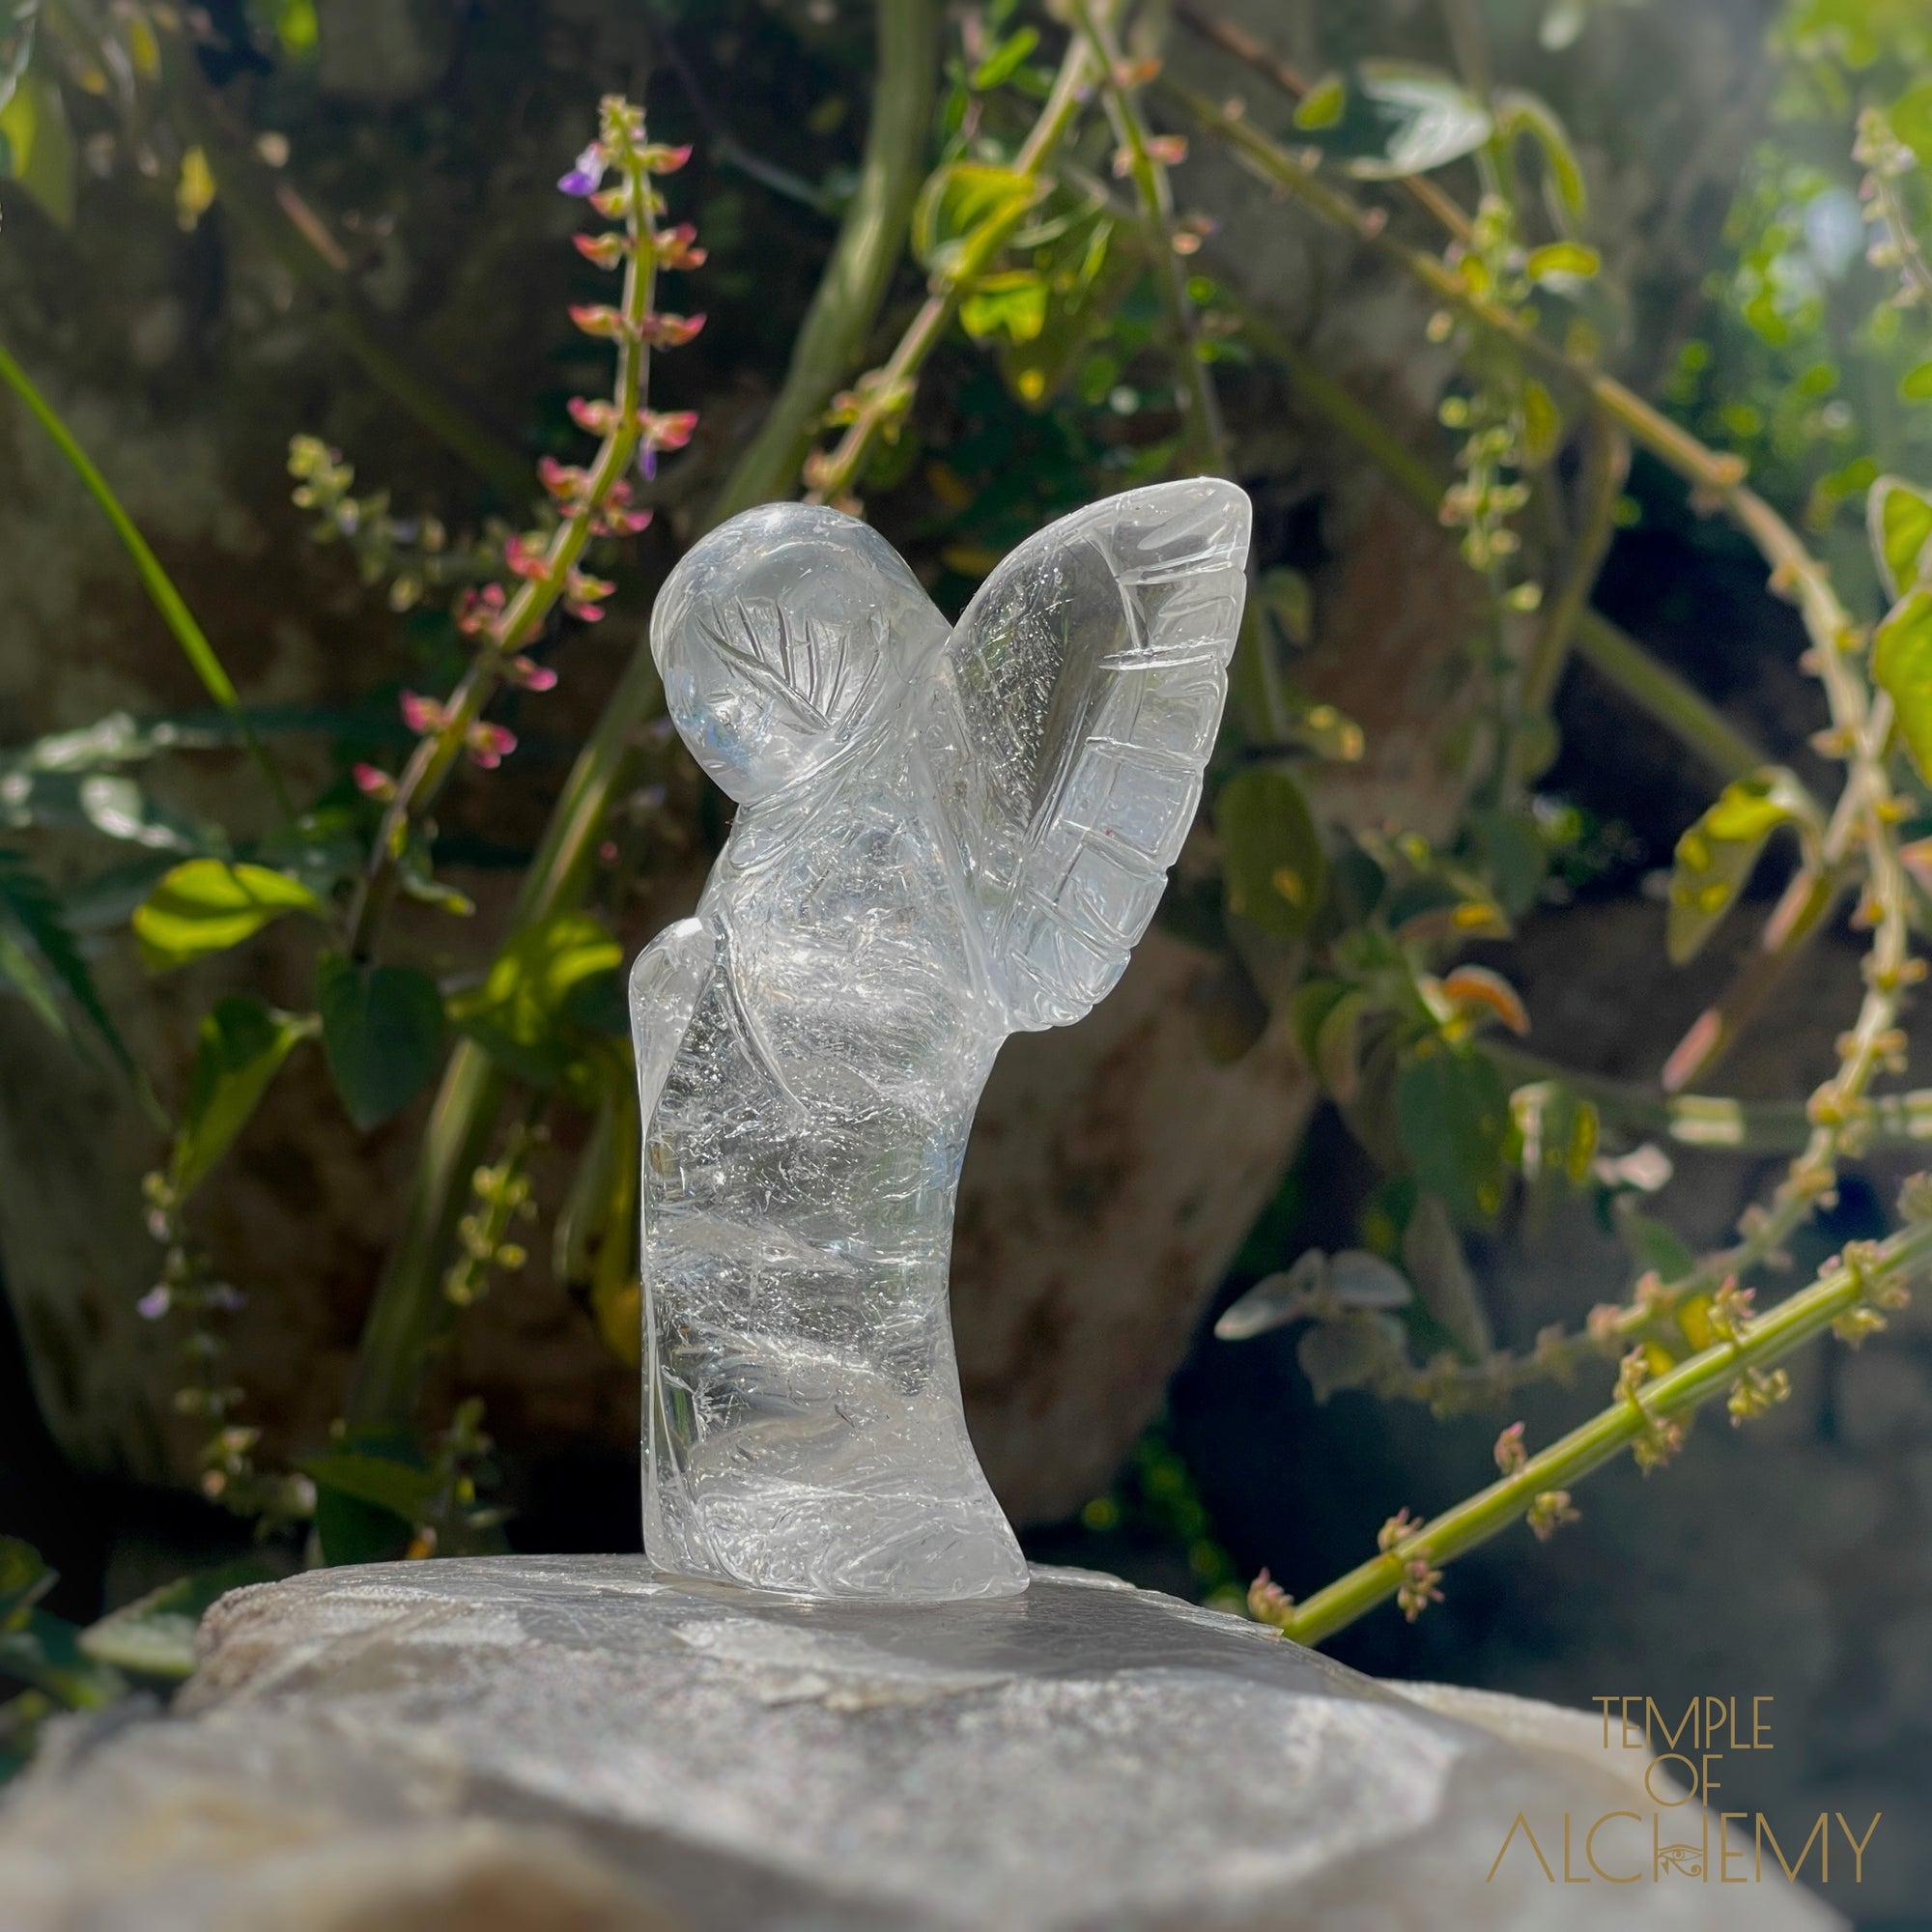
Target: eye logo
point(1686, 1861)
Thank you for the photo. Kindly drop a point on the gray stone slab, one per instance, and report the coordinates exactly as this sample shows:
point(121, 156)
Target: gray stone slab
point(564, 1742)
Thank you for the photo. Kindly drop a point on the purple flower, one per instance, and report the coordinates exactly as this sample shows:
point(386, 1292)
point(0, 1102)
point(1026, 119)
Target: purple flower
point(587, 176)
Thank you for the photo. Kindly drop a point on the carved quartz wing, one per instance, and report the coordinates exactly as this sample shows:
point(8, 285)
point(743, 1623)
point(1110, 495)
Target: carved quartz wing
point(1066, 723)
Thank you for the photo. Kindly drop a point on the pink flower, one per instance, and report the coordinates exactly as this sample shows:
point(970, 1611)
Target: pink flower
point(583, 596)
point(530, 674)
point(598, 419)
point(423, 716)
point(658, 160)
point(489, 745)
point(597, 319)
point(663, 332)
point(477, 609)
point(372, 781)
point(678, 249)
point(563, 480)
point(605, 251)
point(524, 556)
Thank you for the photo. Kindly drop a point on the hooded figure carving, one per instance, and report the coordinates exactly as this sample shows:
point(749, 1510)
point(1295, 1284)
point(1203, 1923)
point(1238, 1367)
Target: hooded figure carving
point(944, 835)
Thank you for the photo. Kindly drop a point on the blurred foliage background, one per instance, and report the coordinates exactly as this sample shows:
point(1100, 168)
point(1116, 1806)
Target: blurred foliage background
point(1564, 838)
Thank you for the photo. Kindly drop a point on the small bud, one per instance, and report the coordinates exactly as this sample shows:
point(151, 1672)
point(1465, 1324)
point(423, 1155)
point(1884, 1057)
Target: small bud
point(372, 781)
point(598, 318)
point(529, 674)
point(489, 745)
point(423, 716)
point(524, 556)
point(677, 248)
point(602, 252)
point(665, 332)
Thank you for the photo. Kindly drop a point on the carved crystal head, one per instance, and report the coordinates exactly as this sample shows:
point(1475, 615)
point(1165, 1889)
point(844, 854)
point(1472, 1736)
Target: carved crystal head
point(947, 834)
point(781, 636)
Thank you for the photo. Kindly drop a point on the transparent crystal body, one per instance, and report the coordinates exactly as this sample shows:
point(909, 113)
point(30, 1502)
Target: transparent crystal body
point(944, 835)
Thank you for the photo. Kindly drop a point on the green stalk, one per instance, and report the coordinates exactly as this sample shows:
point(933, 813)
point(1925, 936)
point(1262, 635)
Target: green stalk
point(159, 586)
point(1759, 1343)
point(409, 1314)
point(887, 391)
point(1612, 653)
point(1716, 1119)
point(850, 291)
point(1206, 438)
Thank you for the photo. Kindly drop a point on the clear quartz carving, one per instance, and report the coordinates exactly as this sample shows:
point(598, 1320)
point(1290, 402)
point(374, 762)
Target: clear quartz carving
point(944, 835)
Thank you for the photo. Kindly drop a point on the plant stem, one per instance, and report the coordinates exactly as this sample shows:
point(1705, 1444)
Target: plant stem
point(1757, 1344)
point(1204, 434)
point(438, 753)
point(409, 1312)
point(1612, 653)
point(1712, 1120)
point(858, 271)
point(1236, 40)
point(155, 580)
point(884, 395)
point(1606, 464)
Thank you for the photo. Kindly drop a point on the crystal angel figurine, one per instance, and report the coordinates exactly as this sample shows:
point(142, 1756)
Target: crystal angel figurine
point(945, 834)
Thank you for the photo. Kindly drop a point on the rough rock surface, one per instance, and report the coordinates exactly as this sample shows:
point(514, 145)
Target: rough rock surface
point(545, 1743)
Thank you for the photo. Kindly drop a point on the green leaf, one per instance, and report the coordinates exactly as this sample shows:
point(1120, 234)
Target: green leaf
point(38, 147)
point(1902, 665)
point(1652, 1244)
point(155, 1635)
point(1716, 856)
point(1561, 260)
point(1453, 1115)
point(17, 18)
point(1559, 1132)
point(1542, 425)
point(1011, 303)
point(1517, 858)
point(1308, 1005)
point(1087, 278)
point(1522, 114)
point(402, 1487)
point(1006, 60)
point(965, 211)
point(1916, 384)
point(241, 1048)
point(1350, 1352)
point(1286, 596)
point(1272, 865)
point(1911, 118)
point(382, 1032)
point(25, 1579)
point(45, 1652)
point(1898, 516)
point(519, 1015)
point(29, 910)
point(1323, 105)
point(1432, 1251)
point(207, 906)
point(1338, 1046)
point(1396, 119)
point(107, 803)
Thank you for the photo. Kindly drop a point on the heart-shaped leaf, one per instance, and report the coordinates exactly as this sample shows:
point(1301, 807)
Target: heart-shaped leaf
point(1272, 865)
point(383, 1032)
